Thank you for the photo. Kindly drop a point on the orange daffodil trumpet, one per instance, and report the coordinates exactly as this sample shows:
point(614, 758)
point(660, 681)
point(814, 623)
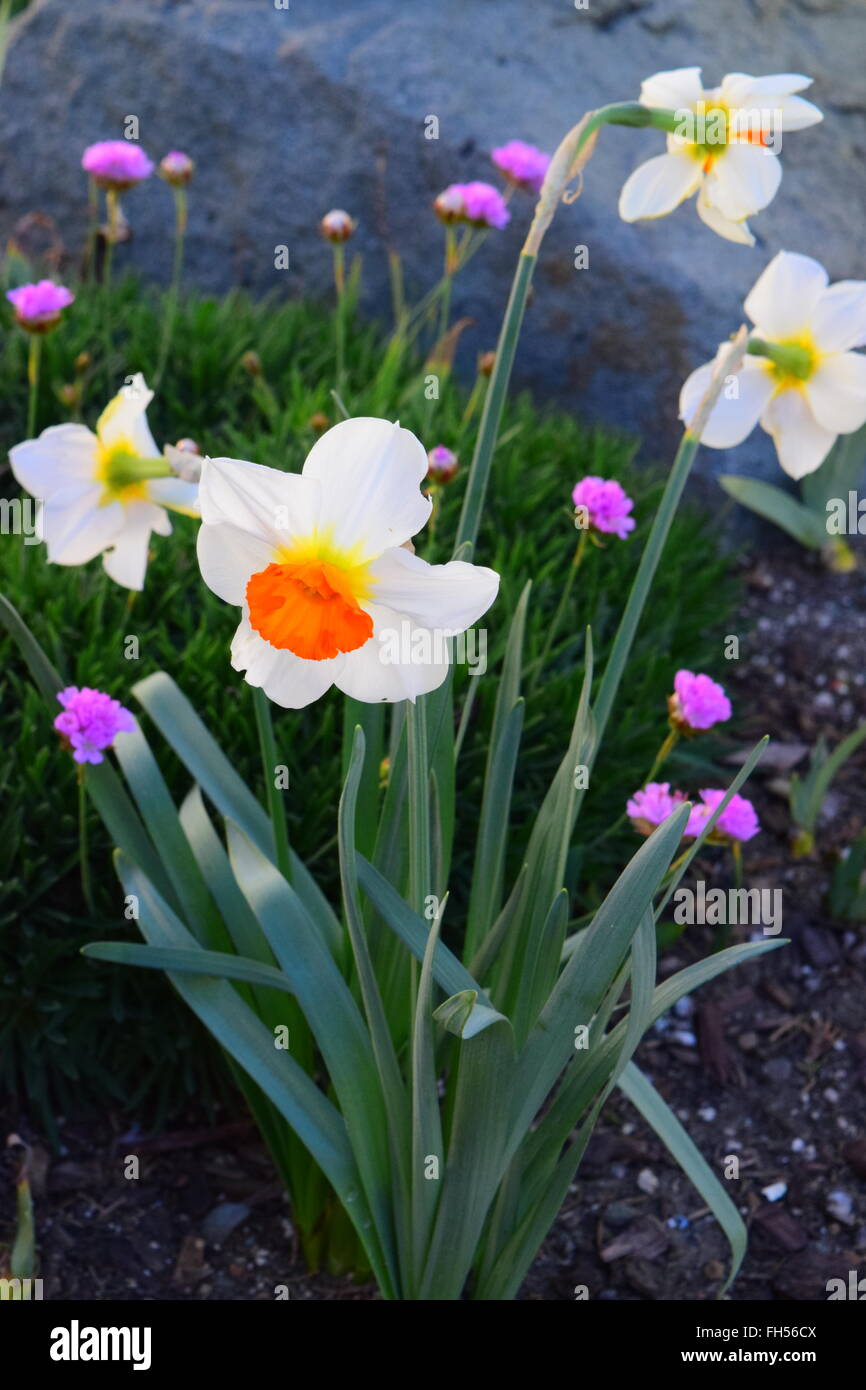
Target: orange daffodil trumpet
point(318, 563)
point(724, 149)
point(103, 493)
point(801, 380)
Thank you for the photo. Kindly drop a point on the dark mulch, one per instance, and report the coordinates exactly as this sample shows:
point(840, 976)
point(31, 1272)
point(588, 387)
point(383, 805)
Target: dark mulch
point(766, 1065)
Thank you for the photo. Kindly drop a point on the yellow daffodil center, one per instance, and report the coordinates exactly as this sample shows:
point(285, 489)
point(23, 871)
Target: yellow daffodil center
point(119, 470)
point(307, 601)
point(790, 362)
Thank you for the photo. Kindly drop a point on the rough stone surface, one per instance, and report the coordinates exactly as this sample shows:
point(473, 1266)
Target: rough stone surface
point(290, 111)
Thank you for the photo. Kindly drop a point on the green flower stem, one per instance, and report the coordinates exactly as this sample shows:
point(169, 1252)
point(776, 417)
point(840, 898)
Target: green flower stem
point(419, 803)
point(276, 805)
point(171, 303)
point(89, 267)
point(722, 938)
point(661, 757)
point(111, 201)
point(565, 167)
point(561, 607)
point(83, 856)
point(655, 545)
point(339, 312)
point(34, 355)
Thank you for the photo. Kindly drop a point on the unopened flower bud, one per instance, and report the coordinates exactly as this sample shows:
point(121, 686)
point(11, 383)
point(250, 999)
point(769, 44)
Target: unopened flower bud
point(449, 206)
point(486, 363)
point(337, 225)
point(176, 168)
point(82, 362)
point(252, 363)
point(69, 393)
point(441, 464)
point(319, 422)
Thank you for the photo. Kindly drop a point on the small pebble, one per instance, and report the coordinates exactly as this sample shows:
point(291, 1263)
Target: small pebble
point(775, 1192)
point(648, 1182)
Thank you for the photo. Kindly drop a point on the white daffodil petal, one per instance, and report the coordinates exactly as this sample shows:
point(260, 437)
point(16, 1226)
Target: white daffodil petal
point(126, 562)
point(675, 89)
point(75, 527)
point(402, 660)
point(228, 557)
point(123, 422)
point(176, 494)
point(795, 113)
point(738, 409)
point(286, 679)
point(782, 300)
point(743, 180)
point(839, 319)
point(723, 226)
point(61, 456)
point(801, 443)
point(836, 392)
point(447, 597)
point(370, 473)
point(658, 186)
point(741, 89)
point(264, 502)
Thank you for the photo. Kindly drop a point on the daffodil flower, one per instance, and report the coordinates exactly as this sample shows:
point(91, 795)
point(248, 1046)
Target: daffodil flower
point(801, 379)
point(103, 493)
point(318, 563)
point(725, 151)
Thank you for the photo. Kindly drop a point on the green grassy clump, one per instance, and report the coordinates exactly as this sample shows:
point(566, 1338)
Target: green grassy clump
point(74, 1030)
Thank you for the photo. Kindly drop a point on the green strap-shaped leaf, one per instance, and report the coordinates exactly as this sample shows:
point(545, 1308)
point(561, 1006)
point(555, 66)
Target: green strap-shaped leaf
point(806, 526)
point(643, 1095)
point(427, 1141)
point(413, 931)
point(190, 962)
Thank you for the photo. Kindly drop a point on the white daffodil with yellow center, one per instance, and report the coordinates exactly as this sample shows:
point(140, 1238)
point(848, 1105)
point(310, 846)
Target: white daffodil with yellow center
point(317, 562)
point(724, 148)
point(801, 379)
point(103, 493)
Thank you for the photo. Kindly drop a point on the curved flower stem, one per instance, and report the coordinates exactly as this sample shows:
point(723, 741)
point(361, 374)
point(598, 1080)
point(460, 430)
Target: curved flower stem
point(88, 270)
point(566, 166)
point(112, 206)
point(276, 806)
point(658, 536)
point(561, 607)
point(83, 857)
point(661, 757)
point(171, 303)
point(339, 312)
point(419, 820)
point(34, 355)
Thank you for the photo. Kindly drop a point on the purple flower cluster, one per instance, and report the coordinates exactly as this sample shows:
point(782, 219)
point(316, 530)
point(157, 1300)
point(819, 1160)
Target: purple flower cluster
point(606, 506)
point(116, 164)
point(697, 702)
point(90, 722)
point(523, 165)
point(480, 204)
point(655, 802)
point(38, 306)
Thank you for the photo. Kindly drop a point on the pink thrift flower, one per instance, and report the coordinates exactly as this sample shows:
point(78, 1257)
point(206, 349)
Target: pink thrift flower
point(116, 164)
point(478, 203)
point(607, 506)
point(522, 164)
point(485, 205)
point(652, 805)
point(337, 225)
point(90, 722)
point(38, 307)
point(442, 464)
point(697, 702)
point(738, 821)
point(176, 168)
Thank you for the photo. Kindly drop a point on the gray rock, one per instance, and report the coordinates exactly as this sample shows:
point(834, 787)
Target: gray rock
point(291, 111)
